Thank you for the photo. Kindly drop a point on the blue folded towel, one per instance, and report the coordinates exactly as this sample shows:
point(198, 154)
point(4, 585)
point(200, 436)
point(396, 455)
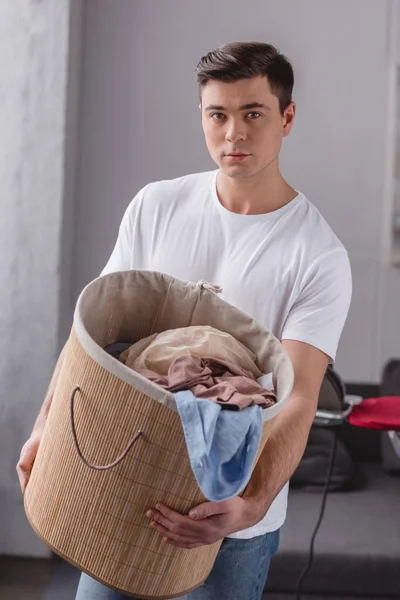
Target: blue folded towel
point(222, 444)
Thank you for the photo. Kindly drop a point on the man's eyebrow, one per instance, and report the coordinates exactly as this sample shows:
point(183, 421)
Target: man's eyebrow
point(249, 106)
point(254, 105)
point(215, 107)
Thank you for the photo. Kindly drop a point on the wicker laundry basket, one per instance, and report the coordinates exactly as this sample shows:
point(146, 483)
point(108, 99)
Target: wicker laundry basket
point(95, 518)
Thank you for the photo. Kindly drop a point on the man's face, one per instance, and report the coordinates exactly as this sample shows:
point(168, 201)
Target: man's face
point(243, 125)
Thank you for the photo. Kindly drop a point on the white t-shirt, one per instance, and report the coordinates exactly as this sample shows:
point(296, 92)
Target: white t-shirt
point(287, 269)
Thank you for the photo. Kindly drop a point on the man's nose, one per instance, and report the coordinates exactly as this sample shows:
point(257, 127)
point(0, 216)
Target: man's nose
point(236, 131)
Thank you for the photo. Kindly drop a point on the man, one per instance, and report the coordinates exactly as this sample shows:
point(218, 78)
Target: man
point(246, 229)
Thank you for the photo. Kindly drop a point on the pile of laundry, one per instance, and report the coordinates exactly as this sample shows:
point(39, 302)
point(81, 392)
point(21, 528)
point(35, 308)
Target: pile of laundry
point(220, 399)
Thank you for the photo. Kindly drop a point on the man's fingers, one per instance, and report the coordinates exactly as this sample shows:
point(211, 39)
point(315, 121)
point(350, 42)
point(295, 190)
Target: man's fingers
point(159, 518)
point(174, 527)
point(208, 509)
point(25, 463)
point(26, 460)
point(185, 546)
point(169, 535)
point(23, 480)
point(24, 468)
point(174, 521)
point(172, 515)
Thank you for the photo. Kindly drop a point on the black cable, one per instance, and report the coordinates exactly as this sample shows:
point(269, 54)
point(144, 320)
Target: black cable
point(321, 515)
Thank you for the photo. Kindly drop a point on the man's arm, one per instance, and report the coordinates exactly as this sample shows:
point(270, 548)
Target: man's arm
point(213, 521)
point(30, 448)
point(291, 428)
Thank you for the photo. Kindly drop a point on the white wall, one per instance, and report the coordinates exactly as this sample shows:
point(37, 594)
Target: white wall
point(34, 40)
point(140, 122)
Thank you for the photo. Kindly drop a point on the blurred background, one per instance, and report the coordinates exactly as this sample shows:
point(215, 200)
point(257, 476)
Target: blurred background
point(98, 98)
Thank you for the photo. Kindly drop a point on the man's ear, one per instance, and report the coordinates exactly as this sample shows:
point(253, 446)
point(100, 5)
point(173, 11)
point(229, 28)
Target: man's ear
point(290, 113)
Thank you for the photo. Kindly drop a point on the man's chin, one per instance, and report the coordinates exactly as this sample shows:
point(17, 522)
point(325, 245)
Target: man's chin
point(237, 171)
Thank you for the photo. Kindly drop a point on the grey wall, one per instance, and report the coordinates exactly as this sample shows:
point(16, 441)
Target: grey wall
point(140, 122)
point(34, 42)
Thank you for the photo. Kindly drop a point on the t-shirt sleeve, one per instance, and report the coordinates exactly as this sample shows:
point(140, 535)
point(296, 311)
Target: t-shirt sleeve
point(319, 313)
point(122, 254)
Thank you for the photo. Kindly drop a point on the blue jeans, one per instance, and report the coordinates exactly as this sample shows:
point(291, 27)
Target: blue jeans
point(239, 573)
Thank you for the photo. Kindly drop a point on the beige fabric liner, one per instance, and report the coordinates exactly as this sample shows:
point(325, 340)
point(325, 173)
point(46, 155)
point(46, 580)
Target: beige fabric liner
point(116, 299)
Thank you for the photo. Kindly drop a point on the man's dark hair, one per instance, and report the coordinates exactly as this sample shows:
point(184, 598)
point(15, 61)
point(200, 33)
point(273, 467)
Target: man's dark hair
point(243, 60)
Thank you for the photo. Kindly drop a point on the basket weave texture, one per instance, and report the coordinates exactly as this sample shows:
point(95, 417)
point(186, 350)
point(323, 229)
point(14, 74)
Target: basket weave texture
point(94, 518)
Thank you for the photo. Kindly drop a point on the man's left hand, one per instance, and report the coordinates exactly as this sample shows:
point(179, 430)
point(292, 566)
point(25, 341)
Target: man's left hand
point(205, 524)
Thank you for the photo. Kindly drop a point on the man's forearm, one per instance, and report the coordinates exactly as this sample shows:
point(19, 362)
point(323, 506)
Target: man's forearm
point(44, 411)
point(282, 453)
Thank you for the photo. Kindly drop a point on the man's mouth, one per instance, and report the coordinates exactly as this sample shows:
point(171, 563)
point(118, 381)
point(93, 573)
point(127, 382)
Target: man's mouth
point(236, 156)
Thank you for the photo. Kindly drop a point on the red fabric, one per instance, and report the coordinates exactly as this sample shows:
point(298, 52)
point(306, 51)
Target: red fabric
point(377, 413)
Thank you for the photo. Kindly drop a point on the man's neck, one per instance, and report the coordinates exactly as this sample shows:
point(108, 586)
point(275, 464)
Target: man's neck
point(260, 194)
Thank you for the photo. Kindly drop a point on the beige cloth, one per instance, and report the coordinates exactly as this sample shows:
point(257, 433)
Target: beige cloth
point(158, 351)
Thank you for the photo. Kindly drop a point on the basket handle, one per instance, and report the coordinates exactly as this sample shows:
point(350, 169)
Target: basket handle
point(88, 464)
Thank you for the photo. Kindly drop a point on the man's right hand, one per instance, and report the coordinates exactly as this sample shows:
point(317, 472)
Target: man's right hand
point(27, 458)
point(30, 448)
